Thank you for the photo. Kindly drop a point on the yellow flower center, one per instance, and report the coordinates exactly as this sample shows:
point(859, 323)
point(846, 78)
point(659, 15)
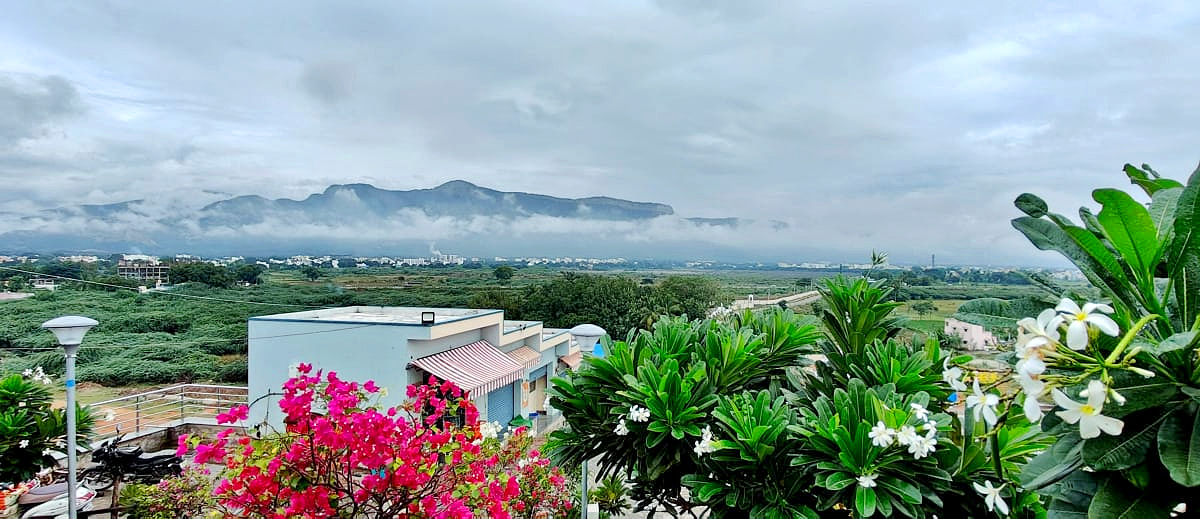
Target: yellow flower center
point(1080, 316)
point(1087, 409)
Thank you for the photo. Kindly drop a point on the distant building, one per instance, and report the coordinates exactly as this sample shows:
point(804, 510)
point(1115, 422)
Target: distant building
point(973, 337)
point(43, 283)
point(505, 365)
point(143, 268)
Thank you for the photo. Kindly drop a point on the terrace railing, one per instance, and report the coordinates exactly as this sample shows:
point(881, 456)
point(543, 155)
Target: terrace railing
point(163, 408)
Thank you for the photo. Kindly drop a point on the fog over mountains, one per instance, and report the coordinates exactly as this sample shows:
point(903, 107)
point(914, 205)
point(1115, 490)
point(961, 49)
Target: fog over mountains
point(459, 217)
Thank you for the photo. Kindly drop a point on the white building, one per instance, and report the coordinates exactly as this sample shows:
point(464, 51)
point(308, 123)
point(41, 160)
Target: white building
point(973, 336)
point(505, 365)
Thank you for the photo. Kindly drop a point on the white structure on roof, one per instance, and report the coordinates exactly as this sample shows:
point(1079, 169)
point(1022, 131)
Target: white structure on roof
point(505, 365)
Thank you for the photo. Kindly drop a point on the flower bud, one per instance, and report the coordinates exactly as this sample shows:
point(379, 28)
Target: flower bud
point(1143, 372)
point(1120, 400)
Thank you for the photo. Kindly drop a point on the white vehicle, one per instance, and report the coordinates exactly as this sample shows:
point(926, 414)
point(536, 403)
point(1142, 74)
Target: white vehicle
point(57, 507)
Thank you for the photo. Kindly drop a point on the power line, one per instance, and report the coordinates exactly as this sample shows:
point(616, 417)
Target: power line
point(189, 296)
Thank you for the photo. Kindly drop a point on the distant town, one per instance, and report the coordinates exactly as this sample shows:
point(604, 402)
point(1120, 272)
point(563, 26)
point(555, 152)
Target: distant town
point(155, 268)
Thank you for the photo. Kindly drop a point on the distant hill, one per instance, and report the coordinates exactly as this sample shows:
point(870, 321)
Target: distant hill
point(457, 216)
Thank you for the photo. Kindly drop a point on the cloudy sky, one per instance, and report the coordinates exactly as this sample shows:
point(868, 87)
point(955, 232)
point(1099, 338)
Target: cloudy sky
point(901, 126)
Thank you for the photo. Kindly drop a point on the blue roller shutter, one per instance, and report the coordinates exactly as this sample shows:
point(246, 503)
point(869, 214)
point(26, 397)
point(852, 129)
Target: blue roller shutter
point(500, 405)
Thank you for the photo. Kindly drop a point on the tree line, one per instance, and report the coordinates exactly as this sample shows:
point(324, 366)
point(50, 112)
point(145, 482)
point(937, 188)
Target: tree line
point(616, 303)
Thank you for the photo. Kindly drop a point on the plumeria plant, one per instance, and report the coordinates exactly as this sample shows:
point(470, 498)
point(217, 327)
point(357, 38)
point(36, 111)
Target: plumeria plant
point(342, 455)
point(646, 409)
point(1122, 374)
point(31, 431)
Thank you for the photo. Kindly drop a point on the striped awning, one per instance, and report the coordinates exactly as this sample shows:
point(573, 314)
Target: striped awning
point(525, 356)
point(573, 360)
point(477, 367)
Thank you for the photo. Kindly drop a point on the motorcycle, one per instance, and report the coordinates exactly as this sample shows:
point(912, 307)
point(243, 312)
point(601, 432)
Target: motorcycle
point(128, 463)
point(57, 507)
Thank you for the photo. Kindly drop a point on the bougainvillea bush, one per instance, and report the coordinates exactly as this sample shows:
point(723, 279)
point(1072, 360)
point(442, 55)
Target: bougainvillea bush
point(342, 455)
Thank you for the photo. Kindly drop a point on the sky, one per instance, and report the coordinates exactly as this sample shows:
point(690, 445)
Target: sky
point(897, 126)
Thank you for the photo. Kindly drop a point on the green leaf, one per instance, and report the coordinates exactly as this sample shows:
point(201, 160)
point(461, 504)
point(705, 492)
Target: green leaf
point(1140, 393)
point(1162, 210)
point(1083, 249)
point(1117, 499)
point(1151, 185)
point(1130, 447)
point(905, 490)
point(1179, 448)
point(1129, 228)
point(864, 501)
point(1175, 342)
point(1184, 253)
point(839, 480)
point(1031, 205)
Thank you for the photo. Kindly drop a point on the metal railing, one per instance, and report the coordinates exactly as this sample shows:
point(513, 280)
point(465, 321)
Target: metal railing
point(163, 408)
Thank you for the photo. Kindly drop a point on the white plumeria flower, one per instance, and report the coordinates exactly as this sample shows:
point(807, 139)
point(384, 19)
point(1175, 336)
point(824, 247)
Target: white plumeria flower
point(921, 412)
point(991, 497)
point(867, 480)
point(953, 376)
point(1091, 422)
point(1044, 328)
point(930, 426)
point(110, 415)
point(28, 373)
point(47, 452)
point(1078, 319)
point(907, 435)
point(639, 414)
point(881, 435)
point(705, 444)
point(923, 445)
point(983, 405)
point(621, 430)
point(1033, 390)
point(24, 444)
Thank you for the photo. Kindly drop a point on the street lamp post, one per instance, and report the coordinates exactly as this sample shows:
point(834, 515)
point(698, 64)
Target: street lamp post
point(587, 335)
point(69, 330)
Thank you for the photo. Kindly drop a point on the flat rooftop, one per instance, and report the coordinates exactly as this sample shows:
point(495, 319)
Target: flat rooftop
point(402, 315)
point(512, 326)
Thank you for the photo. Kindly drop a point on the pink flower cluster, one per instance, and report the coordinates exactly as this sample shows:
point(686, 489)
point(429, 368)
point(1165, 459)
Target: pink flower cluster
point(341, 456)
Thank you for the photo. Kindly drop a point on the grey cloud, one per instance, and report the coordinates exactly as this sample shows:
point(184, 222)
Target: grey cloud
point(885, 124)
point(28, 105)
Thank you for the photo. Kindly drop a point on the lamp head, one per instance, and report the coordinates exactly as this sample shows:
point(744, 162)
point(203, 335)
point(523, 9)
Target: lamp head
point(588, 335)
point(70, 329)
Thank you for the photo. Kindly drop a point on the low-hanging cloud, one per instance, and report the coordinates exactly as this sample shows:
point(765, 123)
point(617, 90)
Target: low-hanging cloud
point(883, 125)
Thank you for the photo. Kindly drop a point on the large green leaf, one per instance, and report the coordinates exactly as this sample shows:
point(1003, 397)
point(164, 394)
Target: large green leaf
point(1117, 499)
point(1129, 228)
point(1083, 249)
point(1031, 205)
point(1162, 210)
point(1130, 448)
point(1179, 448)
point(1184, 253)
point(1148, 180)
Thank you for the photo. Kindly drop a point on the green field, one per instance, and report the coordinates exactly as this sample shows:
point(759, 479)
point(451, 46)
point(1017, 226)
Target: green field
point(198, 333)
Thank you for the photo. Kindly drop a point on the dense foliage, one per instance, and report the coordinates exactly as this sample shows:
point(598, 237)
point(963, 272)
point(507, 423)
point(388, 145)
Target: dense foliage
point(644, 409)
point(30, 430)
point(618, 304)
point(1133, 448)
point(341, 455)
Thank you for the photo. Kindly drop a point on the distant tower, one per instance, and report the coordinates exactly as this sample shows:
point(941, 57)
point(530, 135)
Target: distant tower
point(933, 261)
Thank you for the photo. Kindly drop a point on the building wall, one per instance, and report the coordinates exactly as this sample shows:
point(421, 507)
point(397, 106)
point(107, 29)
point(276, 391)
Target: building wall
point(356, 352)
point(973, 336)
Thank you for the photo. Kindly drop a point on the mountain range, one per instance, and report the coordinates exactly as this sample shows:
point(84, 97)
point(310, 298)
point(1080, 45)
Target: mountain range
point(457, 216)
